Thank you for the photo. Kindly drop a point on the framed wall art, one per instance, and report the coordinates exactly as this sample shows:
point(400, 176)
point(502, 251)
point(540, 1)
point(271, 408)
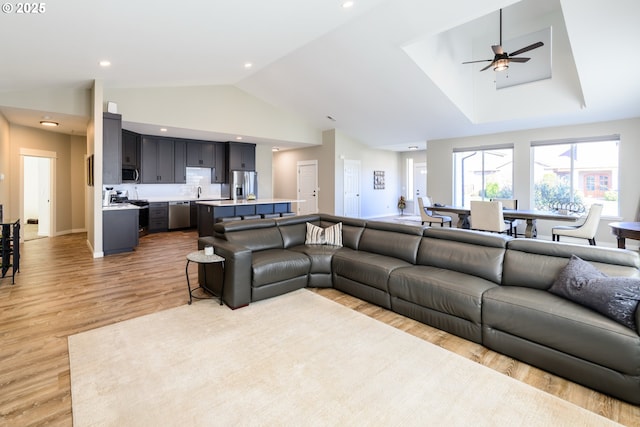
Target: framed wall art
point(378, 180)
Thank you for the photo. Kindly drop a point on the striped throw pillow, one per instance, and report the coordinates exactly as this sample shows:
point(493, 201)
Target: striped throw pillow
point(324, 236)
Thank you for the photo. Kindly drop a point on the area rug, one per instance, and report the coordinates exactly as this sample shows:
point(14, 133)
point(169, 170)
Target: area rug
point(297, 359)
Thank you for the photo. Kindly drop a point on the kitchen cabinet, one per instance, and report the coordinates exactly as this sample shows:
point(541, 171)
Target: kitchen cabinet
point(158, 165)
point(111, 148)
point(158, 217)
point(119, 230)
point(130, 150)
point(180, 161)
point(219, 174)
point(201, 154)
point(193, 214)
point(241, 156)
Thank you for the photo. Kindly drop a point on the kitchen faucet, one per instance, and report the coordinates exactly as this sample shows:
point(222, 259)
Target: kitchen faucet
point(199, 191)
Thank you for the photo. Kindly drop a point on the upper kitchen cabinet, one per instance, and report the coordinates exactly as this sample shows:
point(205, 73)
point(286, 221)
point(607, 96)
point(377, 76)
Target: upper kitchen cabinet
point(218, 174)
point(200, 154)
point(180, 161)
point(241, 156)
point(111, 148)
point(158, 165)
point(130, 150)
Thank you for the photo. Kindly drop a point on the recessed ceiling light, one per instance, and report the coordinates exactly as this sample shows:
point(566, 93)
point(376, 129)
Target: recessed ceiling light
point(105, 63)
point(163, 129)
point(248, 65)
point(347, 4)
point(238, 138)
point(331, 118)
point(48, 123)
point(275, 149)
point(413, 147)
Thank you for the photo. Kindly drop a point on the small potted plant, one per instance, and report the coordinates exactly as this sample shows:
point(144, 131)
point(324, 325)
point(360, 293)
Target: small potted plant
point(402, 203)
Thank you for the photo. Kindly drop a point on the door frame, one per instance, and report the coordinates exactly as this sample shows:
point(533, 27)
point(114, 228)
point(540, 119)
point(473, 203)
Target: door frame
point(52, 156)
point(313, 163)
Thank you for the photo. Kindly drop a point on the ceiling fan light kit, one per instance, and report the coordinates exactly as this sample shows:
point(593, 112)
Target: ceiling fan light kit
point(502, 59)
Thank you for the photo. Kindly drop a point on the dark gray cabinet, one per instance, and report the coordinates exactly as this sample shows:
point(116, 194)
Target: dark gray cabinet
point(241, 156)
point(201, 154)
point(130, 150)
point(158, 165)
point(119, 230)
point(219, 175)
point(158, 217)
point(111, 148)
point(180, 161)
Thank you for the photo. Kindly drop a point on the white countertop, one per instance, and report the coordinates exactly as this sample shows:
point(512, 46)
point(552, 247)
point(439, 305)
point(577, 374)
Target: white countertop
point(119, 207)
point(179, 198)
point(246, 202)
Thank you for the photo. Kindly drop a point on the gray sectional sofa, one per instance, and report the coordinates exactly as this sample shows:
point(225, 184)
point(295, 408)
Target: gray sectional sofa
point(487, 288)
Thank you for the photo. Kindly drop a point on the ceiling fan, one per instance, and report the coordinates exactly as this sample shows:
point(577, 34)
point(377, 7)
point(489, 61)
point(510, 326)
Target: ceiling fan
point(501, 60)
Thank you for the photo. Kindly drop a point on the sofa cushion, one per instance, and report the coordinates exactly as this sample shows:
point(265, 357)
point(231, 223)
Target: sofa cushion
point(324, 236)
point(442, 290)
point(366, 267)
point(276, 265)
point(554, 322)
point(615, 297)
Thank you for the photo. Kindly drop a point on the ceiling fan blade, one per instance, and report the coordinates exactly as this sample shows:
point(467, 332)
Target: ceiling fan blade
point(482, 60)
point(488, 66)
point(497, 49)
point(519, 59)
point(527, 49)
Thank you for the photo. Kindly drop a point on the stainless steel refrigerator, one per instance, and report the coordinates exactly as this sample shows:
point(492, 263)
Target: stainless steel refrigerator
point(243, 184)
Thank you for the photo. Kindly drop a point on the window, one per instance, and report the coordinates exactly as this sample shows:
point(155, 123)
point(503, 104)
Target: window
point(483, 174)
point(576, 173)
point(408, 179)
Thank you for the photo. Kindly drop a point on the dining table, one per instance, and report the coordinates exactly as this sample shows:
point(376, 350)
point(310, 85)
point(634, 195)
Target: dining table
point(625, 230)
point(529, 215)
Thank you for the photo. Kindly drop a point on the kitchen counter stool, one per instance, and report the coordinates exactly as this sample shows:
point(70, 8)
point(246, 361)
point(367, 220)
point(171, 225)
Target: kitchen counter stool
point(199, 257)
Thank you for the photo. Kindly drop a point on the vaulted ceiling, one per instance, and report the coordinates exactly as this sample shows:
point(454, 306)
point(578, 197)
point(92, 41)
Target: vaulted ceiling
point(388, 72)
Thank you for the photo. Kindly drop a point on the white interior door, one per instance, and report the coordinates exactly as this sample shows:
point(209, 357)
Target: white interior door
point(352, 188)
point(308, 187)
point(419, 184)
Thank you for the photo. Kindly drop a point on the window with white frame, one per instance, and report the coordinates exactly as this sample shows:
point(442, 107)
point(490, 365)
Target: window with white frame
point(576, 173)
point(482, 174)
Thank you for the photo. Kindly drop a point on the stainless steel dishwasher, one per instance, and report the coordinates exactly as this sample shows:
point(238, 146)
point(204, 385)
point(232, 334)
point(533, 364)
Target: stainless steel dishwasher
point(179, 215)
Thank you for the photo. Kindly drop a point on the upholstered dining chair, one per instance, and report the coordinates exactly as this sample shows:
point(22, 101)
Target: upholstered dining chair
point(587, 230)
point(429, 216)
point(488, 216)
point(513, 223)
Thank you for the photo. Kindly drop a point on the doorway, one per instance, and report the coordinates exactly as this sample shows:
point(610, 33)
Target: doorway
point(419, 184)
point(37, 184)
point(352, 188)
point(308, 187)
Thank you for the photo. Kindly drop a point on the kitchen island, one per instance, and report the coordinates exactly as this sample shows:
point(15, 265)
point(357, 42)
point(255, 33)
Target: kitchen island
point(210, 212)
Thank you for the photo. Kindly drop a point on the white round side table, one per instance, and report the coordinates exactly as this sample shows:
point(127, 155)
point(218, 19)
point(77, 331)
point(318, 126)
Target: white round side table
point(199, 257)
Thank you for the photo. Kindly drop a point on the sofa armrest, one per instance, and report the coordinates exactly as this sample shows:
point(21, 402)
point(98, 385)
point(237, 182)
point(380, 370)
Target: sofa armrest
point(237, 271)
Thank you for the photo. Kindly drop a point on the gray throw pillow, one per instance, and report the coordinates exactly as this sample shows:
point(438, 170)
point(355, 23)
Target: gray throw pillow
point(614, 297)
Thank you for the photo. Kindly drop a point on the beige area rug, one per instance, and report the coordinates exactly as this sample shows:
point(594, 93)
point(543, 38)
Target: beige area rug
point(297, 359)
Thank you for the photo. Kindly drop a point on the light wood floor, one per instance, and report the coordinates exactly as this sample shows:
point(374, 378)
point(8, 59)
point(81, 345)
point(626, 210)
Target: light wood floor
point(61, 290)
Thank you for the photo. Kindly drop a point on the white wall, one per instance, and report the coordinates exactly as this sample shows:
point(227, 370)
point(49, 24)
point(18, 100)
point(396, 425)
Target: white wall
point(440, 166)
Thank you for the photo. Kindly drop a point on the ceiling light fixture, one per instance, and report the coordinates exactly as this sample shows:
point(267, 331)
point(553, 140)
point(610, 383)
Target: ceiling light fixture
point(347, 4)
point(413, 147)
point(501, 65)
point(331, 118)
point(163, 129)
point(248, 65)
point(238, 138)
point(105, 63)
point(275, 149)
point(48, 123)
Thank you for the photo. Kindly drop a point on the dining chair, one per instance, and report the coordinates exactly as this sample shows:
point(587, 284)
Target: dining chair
point(513, 223)
point(429, 216)
point(488, 216)
point(587, 230)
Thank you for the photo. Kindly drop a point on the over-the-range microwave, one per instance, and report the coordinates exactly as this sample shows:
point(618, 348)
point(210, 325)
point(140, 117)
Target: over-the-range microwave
point(130, 175)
